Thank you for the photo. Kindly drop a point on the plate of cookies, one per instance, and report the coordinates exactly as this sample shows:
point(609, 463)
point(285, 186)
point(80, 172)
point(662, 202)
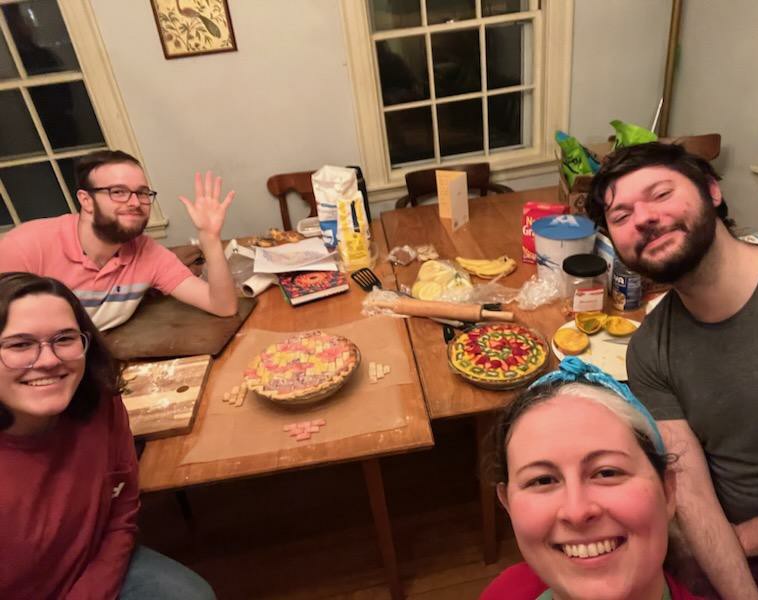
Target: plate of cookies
point(275, 237)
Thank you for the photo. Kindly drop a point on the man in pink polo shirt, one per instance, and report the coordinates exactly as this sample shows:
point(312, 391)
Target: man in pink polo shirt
point(102, 254)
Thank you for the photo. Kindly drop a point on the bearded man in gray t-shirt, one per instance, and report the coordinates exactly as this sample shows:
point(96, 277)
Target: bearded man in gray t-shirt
point(693, 360)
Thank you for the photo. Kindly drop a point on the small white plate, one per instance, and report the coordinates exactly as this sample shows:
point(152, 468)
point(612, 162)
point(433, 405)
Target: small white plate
point(605, 351)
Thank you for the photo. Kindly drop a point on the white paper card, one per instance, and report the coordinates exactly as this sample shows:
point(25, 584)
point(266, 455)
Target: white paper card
point(452, 191)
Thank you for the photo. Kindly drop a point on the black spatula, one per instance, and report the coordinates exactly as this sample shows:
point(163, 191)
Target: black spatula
point(367, 279)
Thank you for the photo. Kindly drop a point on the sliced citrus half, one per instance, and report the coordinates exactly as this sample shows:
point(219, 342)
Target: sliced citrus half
point(590, 322)
point(619, 326)
point(570, 341)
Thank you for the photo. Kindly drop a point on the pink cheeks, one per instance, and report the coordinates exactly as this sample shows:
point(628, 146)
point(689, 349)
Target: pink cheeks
point(588, 509)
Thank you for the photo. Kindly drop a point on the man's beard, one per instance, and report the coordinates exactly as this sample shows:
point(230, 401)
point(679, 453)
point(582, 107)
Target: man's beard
point(698, 239)
point(110, 230)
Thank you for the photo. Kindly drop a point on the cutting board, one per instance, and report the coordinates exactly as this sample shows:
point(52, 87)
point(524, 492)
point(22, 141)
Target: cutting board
point(162, 397)
point(163, 327)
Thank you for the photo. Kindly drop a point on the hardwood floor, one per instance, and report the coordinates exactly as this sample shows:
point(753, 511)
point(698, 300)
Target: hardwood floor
point(309, 535)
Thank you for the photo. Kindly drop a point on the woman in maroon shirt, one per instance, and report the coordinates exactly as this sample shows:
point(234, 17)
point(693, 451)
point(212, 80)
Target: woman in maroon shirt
point(69, 492)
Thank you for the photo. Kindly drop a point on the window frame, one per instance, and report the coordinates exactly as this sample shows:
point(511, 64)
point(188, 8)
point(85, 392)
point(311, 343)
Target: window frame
point(551, 69)
point(97, 76)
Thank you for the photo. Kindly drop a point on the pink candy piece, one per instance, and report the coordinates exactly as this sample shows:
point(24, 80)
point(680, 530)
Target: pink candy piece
point(302, 431)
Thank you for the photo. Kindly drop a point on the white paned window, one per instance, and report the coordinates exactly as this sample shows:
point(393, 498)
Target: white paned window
point(58, 101)
point(449, 81)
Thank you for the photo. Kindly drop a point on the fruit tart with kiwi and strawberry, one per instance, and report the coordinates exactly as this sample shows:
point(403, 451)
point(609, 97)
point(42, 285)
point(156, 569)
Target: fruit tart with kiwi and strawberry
point(498, 355)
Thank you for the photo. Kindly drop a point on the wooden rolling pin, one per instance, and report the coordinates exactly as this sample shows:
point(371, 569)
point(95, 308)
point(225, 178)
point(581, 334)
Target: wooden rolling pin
point(442, 310)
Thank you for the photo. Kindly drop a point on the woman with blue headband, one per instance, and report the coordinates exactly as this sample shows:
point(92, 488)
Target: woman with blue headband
point(588, 487)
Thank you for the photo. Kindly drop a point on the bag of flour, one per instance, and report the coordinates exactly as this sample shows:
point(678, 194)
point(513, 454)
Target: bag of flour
point(342, 214)
point(330, 184)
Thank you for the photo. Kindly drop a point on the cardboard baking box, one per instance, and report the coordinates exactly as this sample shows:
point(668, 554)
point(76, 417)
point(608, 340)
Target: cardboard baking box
point(706, 146)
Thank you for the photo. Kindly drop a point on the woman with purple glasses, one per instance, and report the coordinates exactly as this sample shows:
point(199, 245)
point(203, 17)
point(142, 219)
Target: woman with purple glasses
point(69, 493)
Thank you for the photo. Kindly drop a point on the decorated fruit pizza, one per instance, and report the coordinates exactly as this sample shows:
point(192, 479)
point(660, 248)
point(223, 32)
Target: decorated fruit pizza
point(304, 368)
point(498, 355)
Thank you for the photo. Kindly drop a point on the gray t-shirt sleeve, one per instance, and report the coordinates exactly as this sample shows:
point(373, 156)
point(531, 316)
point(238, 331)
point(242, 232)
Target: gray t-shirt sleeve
point(648, 375)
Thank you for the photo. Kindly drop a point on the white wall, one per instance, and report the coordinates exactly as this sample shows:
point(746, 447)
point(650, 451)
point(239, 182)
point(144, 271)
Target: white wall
point(283, 102)
point(716, 91)
point(618, 64)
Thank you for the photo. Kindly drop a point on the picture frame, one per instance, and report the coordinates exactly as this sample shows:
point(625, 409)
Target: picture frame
point(193, 27)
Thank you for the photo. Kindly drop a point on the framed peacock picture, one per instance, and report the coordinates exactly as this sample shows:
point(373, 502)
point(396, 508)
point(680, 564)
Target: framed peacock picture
point(192, 27)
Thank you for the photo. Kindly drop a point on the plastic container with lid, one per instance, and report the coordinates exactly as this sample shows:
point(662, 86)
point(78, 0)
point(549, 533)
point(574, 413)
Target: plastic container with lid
point(558, 237)
point(585, 282)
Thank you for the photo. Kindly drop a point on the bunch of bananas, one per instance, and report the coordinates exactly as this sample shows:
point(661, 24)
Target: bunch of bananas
point(487, 269)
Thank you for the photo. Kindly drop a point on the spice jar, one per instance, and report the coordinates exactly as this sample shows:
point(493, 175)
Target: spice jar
point(585, 281)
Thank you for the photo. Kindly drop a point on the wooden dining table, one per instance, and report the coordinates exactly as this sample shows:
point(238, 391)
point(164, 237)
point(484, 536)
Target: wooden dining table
point(494, 229)
point(161, 463)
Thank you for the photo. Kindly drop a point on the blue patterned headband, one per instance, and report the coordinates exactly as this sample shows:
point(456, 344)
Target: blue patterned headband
point(573, 370)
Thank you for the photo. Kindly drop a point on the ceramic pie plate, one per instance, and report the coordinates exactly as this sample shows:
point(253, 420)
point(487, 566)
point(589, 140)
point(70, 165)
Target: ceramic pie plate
point(303, 369)
point(498, 356)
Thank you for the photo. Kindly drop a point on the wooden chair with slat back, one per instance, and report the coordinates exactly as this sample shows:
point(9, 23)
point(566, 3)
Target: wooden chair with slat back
point(707, 145)
point(423, 184)
point(298, 183)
